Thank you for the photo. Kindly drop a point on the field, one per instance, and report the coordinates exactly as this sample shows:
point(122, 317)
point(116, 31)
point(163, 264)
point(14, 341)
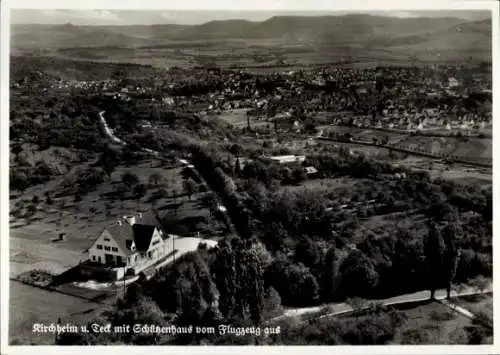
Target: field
point(436, 168)
point(255, 54)
point(417, 323)
point(34, 243)
point(336, 184)
point(477, 304)
point(237, 118)
point(29, 305)
point(473, 148)
point(433, 323)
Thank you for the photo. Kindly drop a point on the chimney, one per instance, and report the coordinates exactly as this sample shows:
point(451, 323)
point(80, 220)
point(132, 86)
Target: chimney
point(129, 219)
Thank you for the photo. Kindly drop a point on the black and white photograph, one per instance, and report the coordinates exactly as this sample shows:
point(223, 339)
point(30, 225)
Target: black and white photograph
point(248, 177)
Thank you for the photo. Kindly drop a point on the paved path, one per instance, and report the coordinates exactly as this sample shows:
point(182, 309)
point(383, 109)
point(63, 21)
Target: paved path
point(342, 308)
point(184, 246)
point(458, 309)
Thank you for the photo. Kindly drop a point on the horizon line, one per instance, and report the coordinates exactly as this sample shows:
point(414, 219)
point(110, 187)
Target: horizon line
point(343, 14)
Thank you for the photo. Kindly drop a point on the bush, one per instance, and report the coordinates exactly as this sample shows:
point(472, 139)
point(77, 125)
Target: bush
point(442, 316)
point(415, 337)
point(272, 303)
point(370, 331)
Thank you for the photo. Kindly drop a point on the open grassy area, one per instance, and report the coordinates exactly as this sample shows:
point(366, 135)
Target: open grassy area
point(29, 305)
point(436, 168)
point(473, 148)
point(237, 118)
point(480, 304)
point(34, 244)
point(432, 324)
point(323, 184)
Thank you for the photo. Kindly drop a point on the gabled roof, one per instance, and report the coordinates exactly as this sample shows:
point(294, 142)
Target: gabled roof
point(148, 219)
point(140, 233)
point(121, 234)
point(142, 236)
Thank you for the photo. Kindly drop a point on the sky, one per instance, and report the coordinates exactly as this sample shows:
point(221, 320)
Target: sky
point(149, 17)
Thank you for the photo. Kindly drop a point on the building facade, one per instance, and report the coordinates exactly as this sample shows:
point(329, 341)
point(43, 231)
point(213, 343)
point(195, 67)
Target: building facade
point(131, 245)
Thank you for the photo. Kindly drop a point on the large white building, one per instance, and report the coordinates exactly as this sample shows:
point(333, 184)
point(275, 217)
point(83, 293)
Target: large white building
point(131, 245)
point(287, 159)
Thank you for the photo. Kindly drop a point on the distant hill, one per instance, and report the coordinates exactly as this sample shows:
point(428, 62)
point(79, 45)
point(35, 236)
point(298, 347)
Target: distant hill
point(348, 27)
point(67, 36)
point(455, 37)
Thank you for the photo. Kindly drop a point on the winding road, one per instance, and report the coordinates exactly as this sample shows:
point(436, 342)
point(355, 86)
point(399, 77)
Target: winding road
point(336, 308)
point(183, 162)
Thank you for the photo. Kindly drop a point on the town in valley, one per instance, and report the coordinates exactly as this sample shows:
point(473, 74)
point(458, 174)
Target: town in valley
point(292, 180)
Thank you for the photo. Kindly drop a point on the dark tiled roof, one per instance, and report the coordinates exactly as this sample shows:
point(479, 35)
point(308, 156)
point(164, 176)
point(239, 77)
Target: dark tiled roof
point(121, 234)
point(142, 236)
point(141, 232)
point(148, 219)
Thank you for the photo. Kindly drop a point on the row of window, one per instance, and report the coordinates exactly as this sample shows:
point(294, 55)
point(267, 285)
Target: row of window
point(99, 246)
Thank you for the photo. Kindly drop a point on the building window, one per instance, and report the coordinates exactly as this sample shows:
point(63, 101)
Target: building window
point(106, 239)
point(99, 258)
point(107, 248)
point(156, 242)
point(114, 249)
point(93, 257)
point(99, 246)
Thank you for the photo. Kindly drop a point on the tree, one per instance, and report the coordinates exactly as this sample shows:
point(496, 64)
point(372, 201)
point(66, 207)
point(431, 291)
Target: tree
point(295, 283)
point(16, 149)
point(359, 276)
point(480, 283)
point(78, 197)
point(451, 255)
point(130, 179)
point(240, 281)
point(434, 249)
point(237, 167)
point(190, 187)
point(251, 277)
point(224, 270)
point(307, 252)
point(236, 149)
point(332, 278)
point(299, 174)
point(133, 295)
point(49, 200)
point(140, 190)
point(155, 179)
point(272, 303)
